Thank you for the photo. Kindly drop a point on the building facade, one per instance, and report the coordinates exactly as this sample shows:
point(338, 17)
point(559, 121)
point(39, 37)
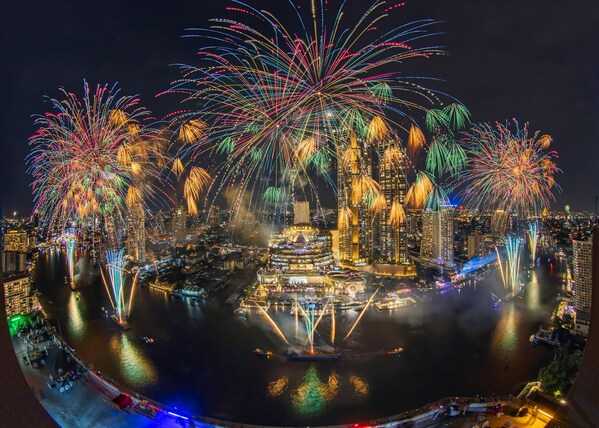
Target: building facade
point(16, 240)
point(436, 245)
point(354, 219)
point(582, 278)
point(136, 232)
point(301, 212)
point(393, 242)
point(17, 295)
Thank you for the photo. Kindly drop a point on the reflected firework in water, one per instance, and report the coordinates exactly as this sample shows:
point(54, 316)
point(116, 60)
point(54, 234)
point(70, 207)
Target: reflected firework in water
point(71, 244)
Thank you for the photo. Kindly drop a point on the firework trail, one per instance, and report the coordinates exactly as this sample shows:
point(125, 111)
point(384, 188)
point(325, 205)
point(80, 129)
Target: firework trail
point(533, 238)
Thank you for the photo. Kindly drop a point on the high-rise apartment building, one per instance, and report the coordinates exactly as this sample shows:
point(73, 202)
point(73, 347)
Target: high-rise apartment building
point(476, 246)
point(18, 298)
point(436, 245)
point(392, 220)
point(355, 220)
point(136, 232)
point(301, 212)
point(179, 223)
point(16, 240)
point(582, 277)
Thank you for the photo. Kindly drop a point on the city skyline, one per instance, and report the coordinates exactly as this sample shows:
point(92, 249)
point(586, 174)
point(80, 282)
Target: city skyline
point(536, 79)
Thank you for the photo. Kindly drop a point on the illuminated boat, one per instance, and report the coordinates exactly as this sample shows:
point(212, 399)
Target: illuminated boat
point(262, 353)
point(395, 351)
point(121, 322)
point(147, 340)
point(394, 303)
point(316, 356)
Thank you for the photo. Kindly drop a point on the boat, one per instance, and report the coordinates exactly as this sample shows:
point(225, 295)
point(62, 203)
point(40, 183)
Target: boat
point(148, 340)
point(394, 303)
point(395, 351)
point(549, 337)
point(162, 286)
point(240, 312)
point(121, 322)
point(307, 356)
point(193, 291)
point(262, 353)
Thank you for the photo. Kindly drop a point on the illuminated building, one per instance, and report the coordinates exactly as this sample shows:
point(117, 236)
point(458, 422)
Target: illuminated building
point(301, 248)
point(179, 223)
point(582, 280)
point(393, 236)
point(476, 246)
point(436, 245)
point(301, 212)
point(301, 261)
point(136, 232)
point(16, 240)
point(355, 237)
point(14, 262)
point(18, 298)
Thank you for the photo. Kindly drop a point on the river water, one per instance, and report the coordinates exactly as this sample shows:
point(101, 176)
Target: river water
point(202, 362)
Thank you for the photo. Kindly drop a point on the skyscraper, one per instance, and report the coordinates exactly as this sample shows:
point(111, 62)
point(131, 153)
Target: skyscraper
point(392, 220)
point(179, 223)
point(301, 212)
point(582, 279)
point(437, 236)
point(355, 220)
point(136, 232)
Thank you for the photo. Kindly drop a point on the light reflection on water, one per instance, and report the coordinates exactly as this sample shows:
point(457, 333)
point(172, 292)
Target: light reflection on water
point(135, 367)
point(505, 335)
point(75, 323)
point(533, 301)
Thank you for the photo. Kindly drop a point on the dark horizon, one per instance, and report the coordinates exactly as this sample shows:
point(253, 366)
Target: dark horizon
point(534, 61)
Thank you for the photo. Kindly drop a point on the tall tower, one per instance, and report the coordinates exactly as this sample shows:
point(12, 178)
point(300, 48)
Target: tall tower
point(582, 277)
point(392, 220)
point(179, 223)
point(301, 212)
point(355, 220)
point(136, 232)
point(437, 236)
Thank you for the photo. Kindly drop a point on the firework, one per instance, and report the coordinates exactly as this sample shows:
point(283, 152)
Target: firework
point(510, 274)
point(121, 303)
point(533, 238)
point(91, 157)
point(275, 101)
point(508, 170)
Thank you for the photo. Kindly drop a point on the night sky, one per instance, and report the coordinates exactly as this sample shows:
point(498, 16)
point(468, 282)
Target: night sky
point(535, 60)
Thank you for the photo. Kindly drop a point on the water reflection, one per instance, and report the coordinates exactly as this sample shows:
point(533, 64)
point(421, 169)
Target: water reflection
point(76, 324)
point(135, 367)
point(533, 299)
point(312, 394)
point(277, 387)
point(505, 335)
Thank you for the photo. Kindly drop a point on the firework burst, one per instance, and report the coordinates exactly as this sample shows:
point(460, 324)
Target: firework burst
point(273, 101)
point(92, 157)
point(508, 170)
